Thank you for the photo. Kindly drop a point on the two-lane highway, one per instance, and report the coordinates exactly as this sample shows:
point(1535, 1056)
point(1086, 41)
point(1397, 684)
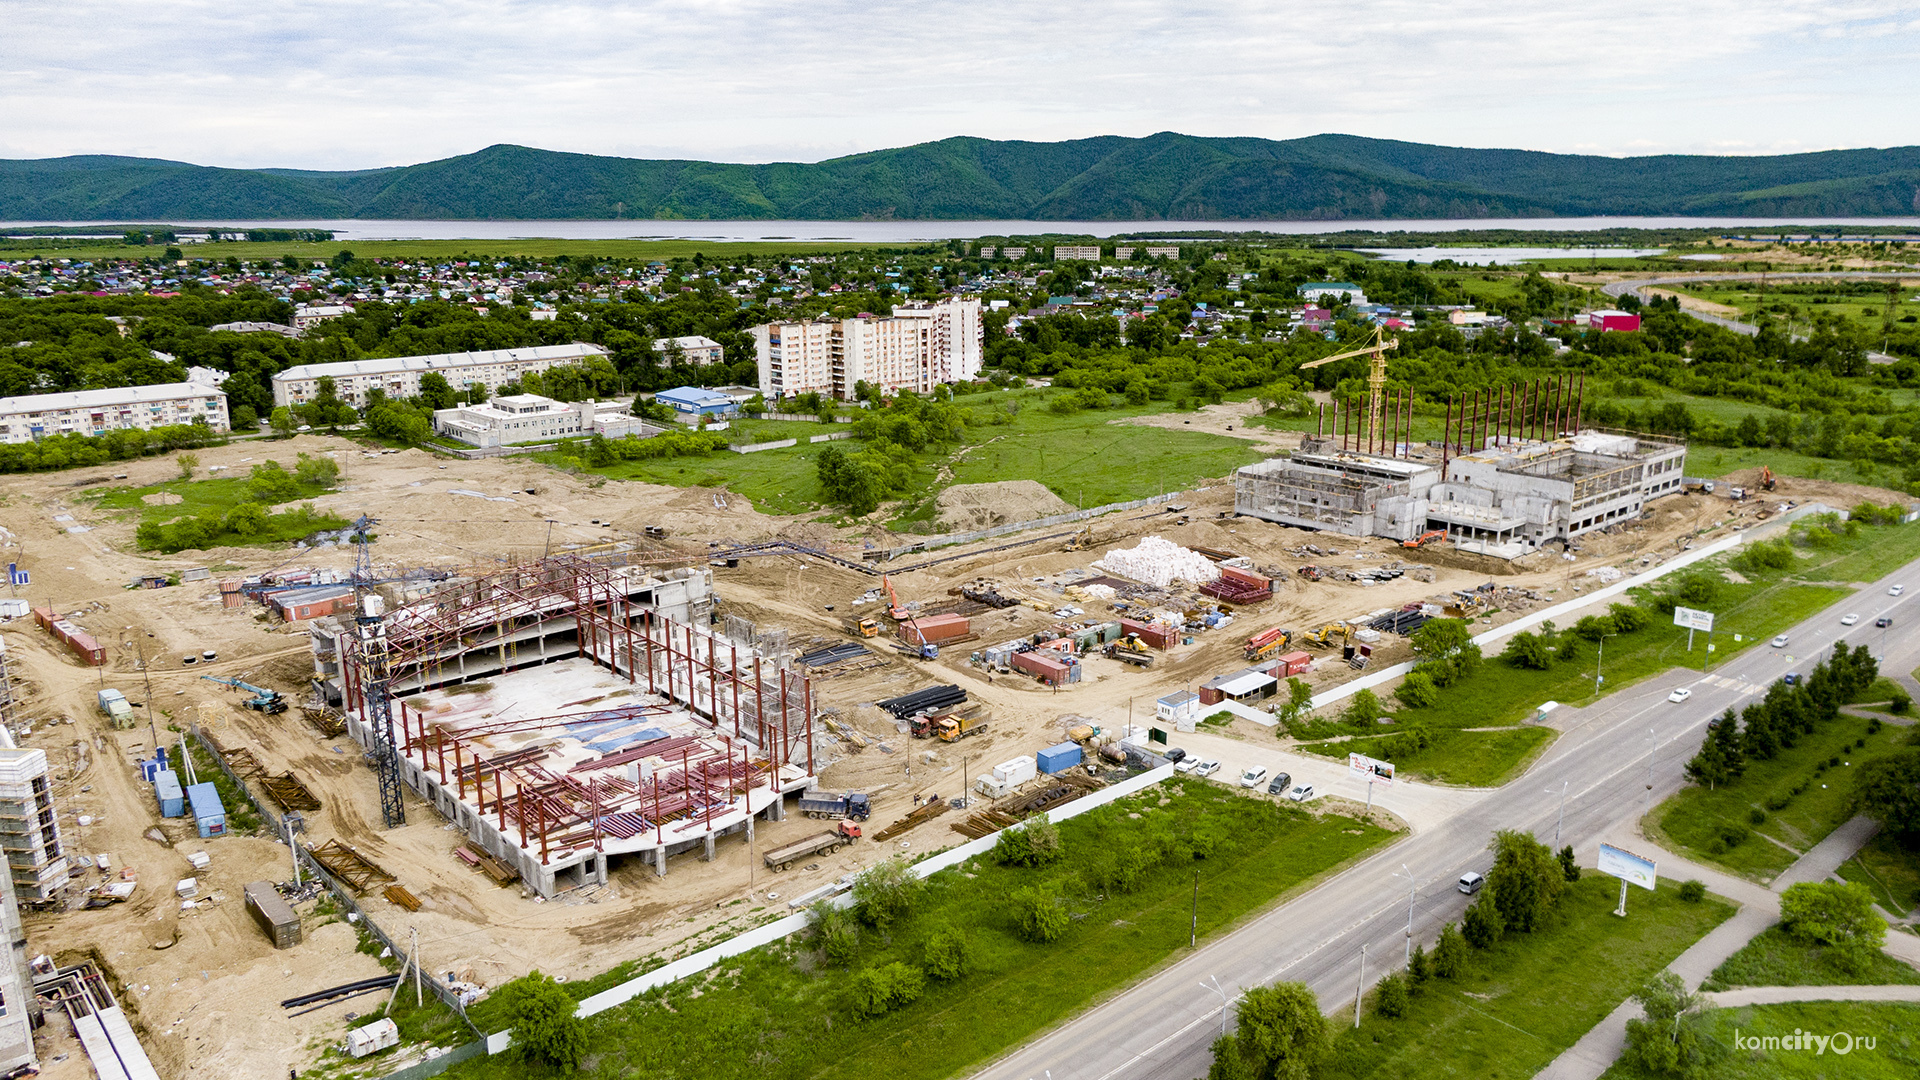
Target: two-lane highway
point(1614, 760)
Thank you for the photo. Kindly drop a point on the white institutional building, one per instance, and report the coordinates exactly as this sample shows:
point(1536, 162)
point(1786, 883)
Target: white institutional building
point(32, 417)
point(400, 376)
point(521, 418)
point(917, 348)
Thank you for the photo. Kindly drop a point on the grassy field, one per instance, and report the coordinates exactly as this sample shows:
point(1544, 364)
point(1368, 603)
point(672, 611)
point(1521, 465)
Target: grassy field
point(783, 1011)
point(216, 495)
point(1775, 959)
point(1894, 1027)
point(1532, 995)
point(1699, 822)
point(1466, 758)
point(1889, 867)
point(1082, 457)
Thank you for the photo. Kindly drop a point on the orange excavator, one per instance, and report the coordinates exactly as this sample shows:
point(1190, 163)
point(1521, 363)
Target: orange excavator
point(1766, 478)
point(898, 612)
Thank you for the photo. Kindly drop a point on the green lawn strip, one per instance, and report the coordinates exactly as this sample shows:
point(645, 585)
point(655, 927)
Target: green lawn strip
point(1894, 1027)
point(1466, 758)
point(1698, 822)
point(1532, 995)
point(221, 493)
point(1890, 867)
point(1775, 959)
point(782, 1012)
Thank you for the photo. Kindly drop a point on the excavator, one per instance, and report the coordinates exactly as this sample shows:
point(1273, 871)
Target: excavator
point(898, 612)
point(1323, 637)
point(1766, 478)
point(1424, 539)
point(263, 700)
point(1081, 541)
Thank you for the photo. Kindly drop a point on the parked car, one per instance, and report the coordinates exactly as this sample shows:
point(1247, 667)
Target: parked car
point(1792, 678)
point(1681, 694)
point(1252, 778)
point(1301, 793)
point(1896, 590)
point(1281, 782)
point(1849, 619)
point(1175, 755)
point(1780, 642)
point(1207, 768)
point(1883, 622)
point(1471, 883)
point(1186, 764)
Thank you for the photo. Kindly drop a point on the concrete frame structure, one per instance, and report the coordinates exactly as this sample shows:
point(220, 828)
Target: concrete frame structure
point(1518, 482)
point(520, 418)
point(685, 739)
point(400, 376)
point(32, 417)
point(917, 348)
point(29, 826)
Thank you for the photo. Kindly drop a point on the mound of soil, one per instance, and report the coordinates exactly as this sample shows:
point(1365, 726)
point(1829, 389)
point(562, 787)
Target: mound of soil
point(965, 507)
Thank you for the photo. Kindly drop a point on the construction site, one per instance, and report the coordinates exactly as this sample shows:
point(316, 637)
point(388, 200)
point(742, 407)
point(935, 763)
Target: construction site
point(560, 723)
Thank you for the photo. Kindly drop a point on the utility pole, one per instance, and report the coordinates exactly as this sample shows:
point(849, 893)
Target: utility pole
point(1410, 892)
point(146, 674)
point(1597, 677)
point(1361, 986)
point(1653, 744)
point(1193, 933)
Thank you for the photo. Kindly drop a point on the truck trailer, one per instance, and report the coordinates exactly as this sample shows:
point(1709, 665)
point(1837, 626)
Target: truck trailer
point(826, 843)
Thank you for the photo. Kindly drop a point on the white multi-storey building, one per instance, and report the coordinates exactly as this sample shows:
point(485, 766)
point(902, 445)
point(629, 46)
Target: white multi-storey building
point(521, 418)
point(31, 417)
point(917, 348)
point(694, 349)
point(400, 376)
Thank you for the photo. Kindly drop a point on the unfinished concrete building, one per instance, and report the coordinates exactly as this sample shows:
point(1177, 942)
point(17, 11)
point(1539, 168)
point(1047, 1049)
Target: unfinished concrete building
point(1514, 471)
point(563, 720)
point(29, 827)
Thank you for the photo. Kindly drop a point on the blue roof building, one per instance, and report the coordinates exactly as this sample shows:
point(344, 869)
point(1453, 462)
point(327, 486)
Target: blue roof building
point(697, 400)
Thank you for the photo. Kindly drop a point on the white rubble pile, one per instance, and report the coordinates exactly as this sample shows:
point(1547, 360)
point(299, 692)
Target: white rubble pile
point(1160, 563)
point(1607, 575)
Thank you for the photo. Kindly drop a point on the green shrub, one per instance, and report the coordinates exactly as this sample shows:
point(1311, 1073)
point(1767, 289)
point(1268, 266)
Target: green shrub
point(947, 954)
point(1034, 842)
point(879, 990)
point(1390, 998)
point(1757, 816)
point(545, 1030)
point(885, 892)
point(1039, 913)
point(1450, 953)
point(1693, 891)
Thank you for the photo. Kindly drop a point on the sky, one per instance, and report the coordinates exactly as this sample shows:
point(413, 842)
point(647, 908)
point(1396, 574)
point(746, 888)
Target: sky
point(351, 84)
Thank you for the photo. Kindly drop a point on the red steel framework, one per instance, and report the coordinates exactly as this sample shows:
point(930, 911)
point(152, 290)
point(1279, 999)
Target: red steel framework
point(762, 719)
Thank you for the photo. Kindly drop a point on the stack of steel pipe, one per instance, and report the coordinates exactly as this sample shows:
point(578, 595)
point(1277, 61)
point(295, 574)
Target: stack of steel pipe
point(932, 698)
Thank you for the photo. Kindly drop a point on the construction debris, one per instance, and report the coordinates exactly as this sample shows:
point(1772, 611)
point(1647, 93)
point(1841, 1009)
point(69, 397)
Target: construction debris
point(351, 867)
point(287, 790)
point(400, 897)
point(927, 812)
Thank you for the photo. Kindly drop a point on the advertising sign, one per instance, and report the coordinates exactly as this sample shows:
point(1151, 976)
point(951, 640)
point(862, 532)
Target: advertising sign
point(1692, 618)
point(1366, 768)
point(1627, 866)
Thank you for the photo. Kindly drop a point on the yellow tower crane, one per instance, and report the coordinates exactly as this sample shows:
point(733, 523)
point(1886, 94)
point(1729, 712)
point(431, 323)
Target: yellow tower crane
point(1376, 374)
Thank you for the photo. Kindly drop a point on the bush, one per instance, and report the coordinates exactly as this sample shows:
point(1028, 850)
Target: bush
point(886, 891)
point(834, 931)
point(1900, 702)
point(882, 989)
point(1450, 953)
point(1569, 864)
point(545, 1029)
point(1039, 913)
point(1778, 802)
point(1034, 842)
point(1831, 913)
point(1419, 969)
point(1693, 891)
point(947, 954)
point(1757, 816)
point(1483, 922)
point(1390, 998)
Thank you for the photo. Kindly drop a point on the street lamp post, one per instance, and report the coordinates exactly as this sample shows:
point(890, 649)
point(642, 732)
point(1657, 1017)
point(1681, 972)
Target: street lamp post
point(1223, 1000)
point(1408, 874)
point(1562, 820)
point(1597, 677)
point(1653, 746)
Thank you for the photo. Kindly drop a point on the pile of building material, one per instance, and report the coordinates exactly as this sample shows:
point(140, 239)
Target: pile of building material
point(932, 698)
point(1159, 562)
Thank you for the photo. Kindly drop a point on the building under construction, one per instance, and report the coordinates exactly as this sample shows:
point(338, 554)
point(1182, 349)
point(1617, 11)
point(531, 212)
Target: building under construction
point(1514, 470)
point(567, 713)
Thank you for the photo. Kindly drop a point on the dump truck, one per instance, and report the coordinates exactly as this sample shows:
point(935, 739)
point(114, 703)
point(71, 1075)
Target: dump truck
point(821, 804)
point(826, 843)
point(861, 627)
point(114, 704)
point(955, 728)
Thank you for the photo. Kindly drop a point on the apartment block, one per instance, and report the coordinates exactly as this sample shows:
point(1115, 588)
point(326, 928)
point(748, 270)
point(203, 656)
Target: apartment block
point(1066, 252)
point(29, 829)
point(693, 349)
point(32, 417)
point(916, 348)
point(400, 376)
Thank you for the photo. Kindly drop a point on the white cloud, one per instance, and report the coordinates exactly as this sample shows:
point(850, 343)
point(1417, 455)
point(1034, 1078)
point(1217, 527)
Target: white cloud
point(355, 83)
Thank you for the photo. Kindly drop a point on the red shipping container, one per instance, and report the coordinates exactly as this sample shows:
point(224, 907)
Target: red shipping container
point(1294, 663)
point(934, 629)
point(1211, 696)
point(1048, 670)
point(1152, 633)
point(1247, 577)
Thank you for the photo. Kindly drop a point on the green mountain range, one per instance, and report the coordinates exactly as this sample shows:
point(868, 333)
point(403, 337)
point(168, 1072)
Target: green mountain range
point(1162, 177)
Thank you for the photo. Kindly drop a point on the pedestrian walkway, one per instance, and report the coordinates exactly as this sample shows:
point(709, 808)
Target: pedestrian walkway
point(1599, 1048)
point(1775, 995)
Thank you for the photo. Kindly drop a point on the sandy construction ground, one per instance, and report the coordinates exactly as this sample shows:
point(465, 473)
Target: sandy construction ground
point(206, 1002)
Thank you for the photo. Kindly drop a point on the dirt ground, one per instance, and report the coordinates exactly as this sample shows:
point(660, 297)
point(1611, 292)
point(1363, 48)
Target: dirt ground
point(205, 1003)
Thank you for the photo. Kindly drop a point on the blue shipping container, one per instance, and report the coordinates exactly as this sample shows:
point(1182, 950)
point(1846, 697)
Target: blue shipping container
point(208, 814)
point(166, 788)
point(1058, 758)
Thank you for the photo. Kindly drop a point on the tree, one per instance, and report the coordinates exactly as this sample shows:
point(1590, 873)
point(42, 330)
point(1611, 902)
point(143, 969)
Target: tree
point(834, 931)
point(1569, 864)
point(1446, 650)
point(1039, 914)
point(1417, 691)
point(1363, 710)
point(1669, 1040)
point(1525, 880)
point(281, 420)
point(545, 1029)
point(885, 892)
point(249, 519)
point(1483, 922)
point(1392, 996)
point(1888, 790)
point(245, 418)
point(436, 391)
point(1419, 969)
point(947, 953)
point(1833, 913)
point(1281, 1035)
point(1034, 842)
point(313, 470)
point(849, 481)
point(187, 463)
point(1299, 700)
point(1450, 953)
point(1722, 758)
point(1527, 650)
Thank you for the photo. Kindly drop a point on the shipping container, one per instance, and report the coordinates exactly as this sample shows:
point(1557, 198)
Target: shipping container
point(273, 915)
point(166, 788)
point(371, 1038)
point(1295, 663)
point(1014, 773)
point(82, 643)
point(1046, 668)
point(934, 629)
point(209, 816)
point(1155, 634)
point(1211, 695)
point(1058, 758)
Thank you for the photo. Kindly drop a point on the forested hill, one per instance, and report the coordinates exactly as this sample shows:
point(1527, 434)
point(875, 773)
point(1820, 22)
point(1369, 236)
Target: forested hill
point(1161, 177)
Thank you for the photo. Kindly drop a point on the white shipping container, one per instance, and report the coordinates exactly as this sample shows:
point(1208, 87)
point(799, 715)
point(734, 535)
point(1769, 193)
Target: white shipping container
point(378, 1035)
point(1016, 772)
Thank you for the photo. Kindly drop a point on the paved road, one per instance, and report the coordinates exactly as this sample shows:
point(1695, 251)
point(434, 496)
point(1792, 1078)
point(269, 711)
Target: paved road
point(1162, 1027)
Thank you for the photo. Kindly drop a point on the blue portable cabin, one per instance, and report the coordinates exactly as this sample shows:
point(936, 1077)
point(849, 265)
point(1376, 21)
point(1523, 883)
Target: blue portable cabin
point(1058, 758)
point(208, 814)
point(166, 788)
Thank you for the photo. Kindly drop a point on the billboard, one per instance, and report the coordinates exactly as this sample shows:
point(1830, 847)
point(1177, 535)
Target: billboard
point(1627, 866)
point(1692, 618)
point(1366, 768)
